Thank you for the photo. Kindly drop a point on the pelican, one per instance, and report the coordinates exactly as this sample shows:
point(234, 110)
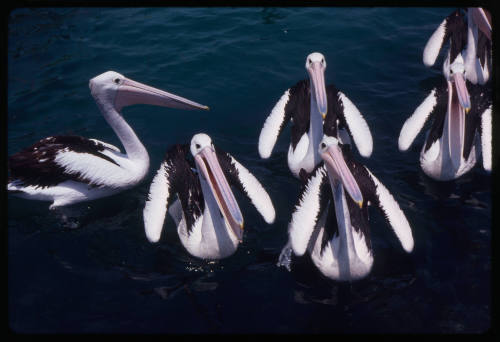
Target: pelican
point(461, 129)
point(470, 40)
point(330, 220)
point(208, 219)
point(478, 51)
point(307, 104)
point(72, 169)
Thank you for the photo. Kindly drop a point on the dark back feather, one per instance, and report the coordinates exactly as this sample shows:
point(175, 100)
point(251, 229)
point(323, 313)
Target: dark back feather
point(36, 165)
point(456, 32)
point(184, 182)
point(438, 115)
point(299, 107)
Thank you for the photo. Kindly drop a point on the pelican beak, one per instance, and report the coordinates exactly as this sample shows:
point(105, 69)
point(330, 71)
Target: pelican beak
point(317, 75)
point(131, 92)
point(462, 92)
point(209, 166)
point(456, 125)
point(482, 19)
point(338, 170)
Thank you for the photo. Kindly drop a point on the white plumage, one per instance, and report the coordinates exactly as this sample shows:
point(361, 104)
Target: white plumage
point(347, 253)
point(414, 124)
point(208, 219)
point(271, 128)
point(72, 169)
point(358, 127)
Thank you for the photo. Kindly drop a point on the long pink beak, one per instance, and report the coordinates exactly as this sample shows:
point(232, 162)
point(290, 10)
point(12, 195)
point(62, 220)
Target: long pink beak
point(337, 168)
point(131, 92)
point(462, 92)
point(209, 166)
point(482, 19)
point(317, 76)
point(456, 126)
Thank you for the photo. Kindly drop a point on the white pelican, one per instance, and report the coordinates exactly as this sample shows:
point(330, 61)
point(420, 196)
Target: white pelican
point(461, 128)
point(307, 104)
point(334, 227)
point(477, 55)
point(208, 219)
point(72, 169)
point(468, 39)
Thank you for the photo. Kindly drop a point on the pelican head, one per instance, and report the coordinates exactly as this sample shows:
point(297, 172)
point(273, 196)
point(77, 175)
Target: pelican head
point(114, 89)
point(210, 172)
point(338, 172)
point(315, 66)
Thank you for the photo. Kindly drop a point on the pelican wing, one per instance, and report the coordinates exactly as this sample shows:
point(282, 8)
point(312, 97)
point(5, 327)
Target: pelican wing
point(356, 125)
point(56, 159)
point(292, 103)
point(414, 124)
point(452, 28)
point(434, 44)
point(486, 138)
point(477, 57)
point(308, 210)
point(237, 175)
point(173, 177)
point(478, 119)
point(377, 193)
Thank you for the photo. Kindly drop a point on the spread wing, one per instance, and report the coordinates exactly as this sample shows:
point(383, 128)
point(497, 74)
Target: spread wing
point(375, 192)
point(452, 28)
point(308, 210)
point(173, 177)
point(434, 103)
point(414, 124)
point(356, 125)
point(486, 138)
point(294, 102)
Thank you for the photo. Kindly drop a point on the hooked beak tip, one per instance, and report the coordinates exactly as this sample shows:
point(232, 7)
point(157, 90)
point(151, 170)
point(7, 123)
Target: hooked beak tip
point(360, 203)
point(467, 110)
point(206, 108)
point(323, 115)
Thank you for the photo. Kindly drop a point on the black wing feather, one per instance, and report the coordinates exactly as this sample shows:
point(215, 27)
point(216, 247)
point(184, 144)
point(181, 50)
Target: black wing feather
point(438, 113)
point(481, 99)
point(335, 112)
point(36, 166)
point(456, 32)
point(298, 108)
point(184, 182)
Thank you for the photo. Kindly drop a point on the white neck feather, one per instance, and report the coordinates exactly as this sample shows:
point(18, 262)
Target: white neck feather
point(133, 146)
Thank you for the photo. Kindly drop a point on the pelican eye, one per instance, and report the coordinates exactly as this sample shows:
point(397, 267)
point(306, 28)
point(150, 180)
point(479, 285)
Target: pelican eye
point(197, 146)
point(322, 61)
point(323, 145)
point(309, 60)
point(116, 80)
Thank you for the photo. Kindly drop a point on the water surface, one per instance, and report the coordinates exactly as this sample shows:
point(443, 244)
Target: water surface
point(106, 277)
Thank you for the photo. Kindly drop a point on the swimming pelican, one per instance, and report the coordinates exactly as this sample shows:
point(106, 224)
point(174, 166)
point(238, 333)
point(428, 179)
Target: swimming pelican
point(470, 40)
point(332, 226)
point(461, 129)
point(478, 52)
point(307, 104)
point(208, 219)
point(72, 169)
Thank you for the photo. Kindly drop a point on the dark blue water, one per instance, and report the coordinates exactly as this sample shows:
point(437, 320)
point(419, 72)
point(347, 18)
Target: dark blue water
point(106, 277)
